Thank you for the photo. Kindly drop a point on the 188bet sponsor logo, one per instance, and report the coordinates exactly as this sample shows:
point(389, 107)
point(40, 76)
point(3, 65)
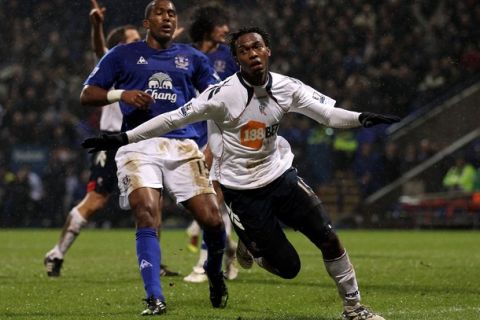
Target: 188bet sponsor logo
point(253, 133)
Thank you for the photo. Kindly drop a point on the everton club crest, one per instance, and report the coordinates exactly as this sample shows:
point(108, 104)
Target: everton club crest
point(182, 62)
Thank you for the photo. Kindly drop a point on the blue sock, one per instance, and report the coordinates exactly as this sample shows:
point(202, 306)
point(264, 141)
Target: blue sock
point(149, 255)
point(215, 242)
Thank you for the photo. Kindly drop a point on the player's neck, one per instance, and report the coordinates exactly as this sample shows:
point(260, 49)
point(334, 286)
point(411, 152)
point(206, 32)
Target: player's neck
point(159, 44)
point(255, 80)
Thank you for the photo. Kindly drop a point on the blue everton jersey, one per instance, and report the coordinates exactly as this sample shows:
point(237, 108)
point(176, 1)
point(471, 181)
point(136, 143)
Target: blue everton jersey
point(224, 64)
point(171, 76)
point(222, 61)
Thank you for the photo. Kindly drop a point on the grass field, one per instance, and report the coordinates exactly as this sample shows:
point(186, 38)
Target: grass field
point(402, 275)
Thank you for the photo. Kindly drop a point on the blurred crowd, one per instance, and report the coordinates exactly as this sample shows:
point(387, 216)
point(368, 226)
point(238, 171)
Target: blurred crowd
point(383, 56)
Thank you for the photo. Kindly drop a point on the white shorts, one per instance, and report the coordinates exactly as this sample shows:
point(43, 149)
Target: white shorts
point(174, 164)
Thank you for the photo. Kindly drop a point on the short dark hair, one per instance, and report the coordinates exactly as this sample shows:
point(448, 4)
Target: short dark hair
point(148, 8)
point(244, 30)
point(205, 19)
point(117, 35)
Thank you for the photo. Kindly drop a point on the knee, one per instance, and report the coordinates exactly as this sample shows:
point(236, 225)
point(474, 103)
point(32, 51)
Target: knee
point(146, 215)
point(286, 261)
point(291, 269)
point(211, 220)
point(92, 202)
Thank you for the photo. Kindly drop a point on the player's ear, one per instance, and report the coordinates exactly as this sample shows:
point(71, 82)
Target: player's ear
point(146, 24)
point(269, 52)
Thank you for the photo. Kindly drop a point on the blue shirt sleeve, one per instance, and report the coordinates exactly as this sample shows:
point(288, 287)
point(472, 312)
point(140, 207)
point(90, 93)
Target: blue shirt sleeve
point(105, 73)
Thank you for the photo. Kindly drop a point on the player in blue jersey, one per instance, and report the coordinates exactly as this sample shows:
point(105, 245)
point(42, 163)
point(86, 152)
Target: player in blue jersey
point(103, 178)
point(152, 77)
point(208, 32)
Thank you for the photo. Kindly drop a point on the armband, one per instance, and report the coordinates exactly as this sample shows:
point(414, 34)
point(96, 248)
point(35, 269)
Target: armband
point(114, 95)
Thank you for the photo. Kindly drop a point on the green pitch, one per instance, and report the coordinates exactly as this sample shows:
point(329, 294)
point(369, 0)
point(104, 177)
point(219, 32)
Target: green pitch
point(402, 275)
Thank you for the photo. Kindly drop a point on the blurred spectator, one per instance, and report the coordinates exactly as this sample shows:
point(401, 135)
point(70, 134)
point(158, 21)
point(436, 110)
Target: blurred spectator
point(432, 82)
point(23, 195)
point(409, 159)
point(391, 163)
point(471, 57)
point(425, 150)
point(461, 176)
point(344, 147)
point(367, 167)
point(476, 183)
point(319, 156)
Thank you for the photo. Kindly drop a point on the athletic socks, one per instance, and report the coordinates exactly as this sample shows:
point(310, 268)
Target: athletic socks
point(203, 256)
point(342, 272)
point(76, 223)
point(149, 257)
point(215, 242)
point(226, 218)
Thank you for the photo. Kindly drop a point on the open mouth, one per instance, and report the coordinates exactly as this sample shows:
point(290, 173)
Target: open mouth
point(256, 65)
point(166, 28)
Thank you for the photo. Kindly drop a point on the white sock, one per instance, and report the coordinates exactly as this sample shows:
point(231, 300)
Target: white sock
point(54, 253)
point(76, 224)
point(201, 259)
point(343, 273)
point(226, 219)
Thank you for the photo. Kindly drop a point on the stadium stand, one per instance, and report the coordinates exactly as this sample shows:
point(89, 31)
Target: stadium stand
point(409, 58)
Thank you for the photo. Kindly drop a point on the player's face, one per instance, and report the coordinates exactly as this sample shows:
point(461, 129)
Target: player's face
point(162, 21)
point(252, 54)
point(219, 33)
point(131, 35)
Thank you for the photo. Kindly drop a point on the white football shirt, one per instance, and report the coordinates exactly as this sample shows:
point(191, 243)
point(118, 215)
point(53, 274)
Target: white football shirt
point(111, 118)
point(243, 125)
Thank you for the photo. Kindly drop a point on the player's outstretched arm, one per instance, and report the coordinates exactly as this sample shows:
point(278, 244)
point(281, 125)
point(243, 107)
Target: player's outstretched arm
point(158, 126)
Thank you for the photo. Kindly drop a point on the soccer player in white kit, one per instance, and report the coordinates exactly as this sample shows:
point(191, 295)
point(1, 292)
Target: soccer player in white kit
point(254, 165)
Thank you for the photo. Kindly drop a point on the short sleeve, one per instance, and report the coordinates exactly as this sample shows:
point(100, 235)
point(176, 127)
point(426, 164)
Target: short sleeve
point(104, 74)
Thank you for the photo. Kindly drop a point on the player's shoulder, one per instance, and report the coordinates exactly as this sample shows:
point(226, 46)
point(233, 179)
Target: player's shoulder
point(229, 83)
point(222, 47)
point(229, 87)
point(278, 77)
point(188, 49)
point(281, 80)
point(128, 48)
point(225, 53)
